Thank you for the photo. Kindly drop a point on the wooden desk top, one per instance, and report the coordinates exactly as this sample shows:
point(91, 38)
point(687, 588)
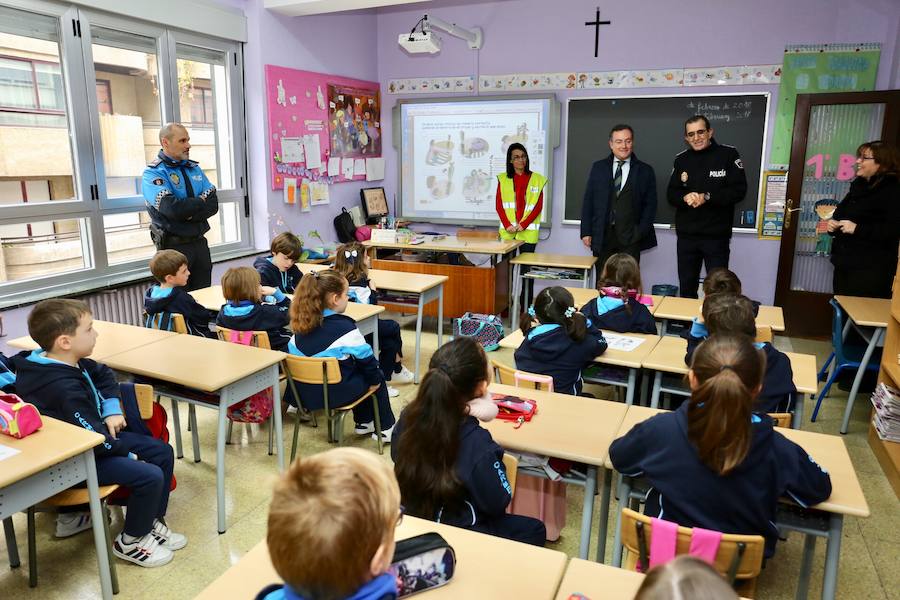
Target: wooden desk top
point(584, 295)
point(828, 450)
point(310, 267)
point(400, 281)
point(537, 259)
point(113, 338)
point(570, 427)
point(869, 312)
point(452, 243)
point(196, 362)
point(598, 581)
point(485, 567)
point(211, 298)
point(53, 443)
point(805, 372)
point(685, 309)
point(617, 358)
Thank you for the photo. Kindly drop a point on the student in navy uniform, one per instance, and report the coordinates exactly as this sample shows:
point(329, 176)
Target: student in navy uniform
point(250, 306)
point(724, 280)
point(7, 375)
point(64, 384)
point(170, 269)
point(352, 262)
point(713, 463)
point(279, 269)
point(558, 340)
point(321, 329)
point(618, 308)
point(449, 468)
point(730, 314)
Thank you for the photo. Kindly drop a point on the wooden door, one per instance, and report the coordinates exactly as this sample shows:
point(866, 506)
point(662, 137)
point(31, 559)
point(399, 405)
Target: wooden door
point(828, 128)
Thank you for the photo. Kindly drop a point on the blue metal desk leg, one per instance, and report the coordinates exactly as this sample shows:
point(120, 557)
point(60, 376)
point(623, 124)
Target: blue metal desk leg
point(587, 512)
point(632, 384)
point(604, 515)
point(832, 556)
point(809, 550)
point(224, 398)
point(657, 387)
point(12, 549)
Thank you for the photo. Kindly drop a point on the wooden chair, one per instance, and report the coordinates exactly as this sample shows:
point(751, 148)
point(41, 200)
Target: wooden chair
point(78, 496)
point(764, 333)
point(739, 558)
point(326, 371)
point(783, 419)
point(510, 376)
point(512, 468)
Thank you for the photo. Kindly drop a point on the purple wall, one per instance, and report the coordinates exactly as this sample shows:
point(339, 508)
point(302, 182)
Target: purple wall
point(727, 33)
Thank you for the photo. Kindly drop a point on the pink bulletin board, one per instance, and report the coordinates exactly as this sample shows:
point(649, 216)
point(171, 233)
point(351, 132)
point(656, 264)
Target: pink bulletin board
point(298, 106)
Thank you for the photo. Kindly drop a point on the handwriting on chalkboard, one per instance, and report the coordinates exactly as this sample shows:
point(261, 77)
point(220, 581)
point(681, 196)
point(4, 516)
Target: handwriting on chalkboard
point(724, 111)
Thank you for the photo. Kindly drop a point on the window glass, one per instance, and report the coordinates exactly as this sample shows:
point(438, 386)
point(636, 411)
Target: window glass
point(127, 237)
point(41, 248)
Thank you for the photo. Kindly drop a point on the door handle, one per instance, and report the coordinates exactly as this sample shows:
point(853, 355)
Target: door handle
point(788, 209)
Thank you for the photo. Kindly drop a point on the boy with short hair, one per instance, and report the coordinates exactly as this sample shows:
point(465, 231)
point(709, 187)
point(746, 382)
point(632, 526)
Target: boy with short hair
point(331, 528)
point(279, 270)
point(64, 384)
point(170, 269)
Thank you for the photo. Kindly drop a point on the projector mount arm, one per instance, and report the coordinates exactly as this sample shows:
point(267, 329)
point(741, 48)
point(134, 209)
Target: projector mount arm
point(473, 36)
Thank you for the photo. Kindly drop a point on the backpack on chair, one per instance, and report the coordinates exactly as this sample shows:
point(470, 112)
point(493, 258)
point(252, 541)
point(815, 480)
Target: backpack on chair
point(343, 225)
point(258, 407)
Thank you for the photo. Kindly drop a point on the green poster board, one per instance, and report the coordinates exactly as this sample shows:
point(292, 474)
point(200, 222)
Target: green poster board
point(816, 68)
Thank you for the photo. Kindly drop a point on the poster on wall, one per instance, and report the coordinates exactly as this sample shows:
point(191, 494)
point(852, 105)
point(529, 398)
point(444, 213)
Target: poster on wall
point(354, 121)
point(772, 210)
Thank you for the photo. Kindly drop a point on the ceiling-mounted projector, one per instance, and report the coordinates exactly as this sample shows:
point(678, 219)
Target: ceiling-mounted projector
point(426, 41)
point(420, 42)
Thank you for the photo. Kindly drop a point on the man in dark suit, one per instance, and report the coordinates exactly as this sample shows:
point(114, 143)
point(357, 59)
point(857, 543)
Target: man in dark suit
point(619, 201)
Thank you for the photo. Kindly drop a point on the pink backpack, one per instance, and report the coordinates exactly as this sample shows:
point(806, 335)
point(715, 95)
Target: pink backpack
point(258, 407)
point(363, 233)
point(18, 418)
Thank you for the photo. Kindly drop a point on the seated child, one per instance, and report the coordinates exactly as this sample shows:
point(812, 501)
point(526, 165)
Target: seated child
point(250, 306)
point(279, 269)
point(558, 341)
point(170, 268)
point(729, 314)
point(321, 329)
point(721, 280)
point(713, 463)
point(352, 262)
point(7, 375)
point(449, 468)
point(64, 384)
point(356, 494)
point(685, 576)
point(618, 307)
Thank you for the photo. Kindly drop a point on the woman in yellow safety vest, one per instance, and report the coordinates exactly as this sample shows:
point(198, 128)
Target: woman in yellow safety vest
point(520, 199)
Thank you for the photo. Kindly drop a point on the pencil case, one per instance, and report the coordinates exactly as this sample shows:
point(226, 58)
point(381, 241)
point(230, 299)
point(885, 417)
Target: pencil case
point(421, 563)
point(17, 418)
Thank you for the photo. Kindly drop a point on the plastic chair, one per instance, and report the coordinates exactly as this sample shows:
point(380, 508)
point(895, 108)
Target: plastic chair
point(510, 376)
point(326, 371)
point(844, 356)
point(166, 321)
point(739, 558)
point(782, 419)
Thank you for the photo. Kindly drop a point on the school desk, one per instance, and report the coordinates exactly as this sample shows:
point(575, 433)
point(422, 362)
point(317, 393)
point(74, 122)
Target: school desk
point(232, 371)
point(630, 360)
point(112, 338)
point(49, 461)
point(365, 315)
point(668, 358)
point(486, 567)
point(685, 309)
point(481, 289)
point(822, 520)
point(534, 259)
point(426, 289)
point(312, 267)
point(864, 312)
point(572, 428)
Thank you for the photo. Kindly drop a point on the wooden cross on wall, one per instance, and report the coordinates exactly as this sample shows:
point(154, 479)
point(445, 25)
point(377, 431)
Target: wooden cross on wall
point(596, 23)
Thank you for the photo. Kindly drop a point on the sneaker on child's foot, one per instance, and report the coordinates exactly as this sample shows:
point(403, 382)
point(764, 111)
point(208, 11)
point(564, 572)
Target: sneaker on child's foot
point(168, 538)
point(364, 428)
point(68, 524)
point(385, 435)
point(393, 392)
point(145, 551)
point(404, 376)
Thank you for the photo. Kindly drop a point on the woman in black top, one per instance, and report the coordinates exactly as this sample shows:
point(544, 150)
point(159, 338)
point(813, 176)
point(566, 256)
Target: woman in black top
point(866, 225)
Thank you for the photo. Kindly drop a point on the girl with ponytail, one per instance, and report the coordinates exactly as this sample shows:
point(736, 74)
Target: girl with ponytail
point(321, 329)
point(713, 463)
point(449, 468)
point(559, 340)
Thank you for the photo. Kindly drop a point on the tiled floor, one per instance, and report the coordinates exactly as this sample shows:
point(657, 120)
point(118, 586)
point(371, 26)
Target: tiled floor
point(68, 569)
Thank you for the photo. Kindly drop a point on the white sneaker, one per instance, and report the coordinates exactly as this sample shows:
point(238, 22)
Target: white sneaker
point(168, 538)
point(68, 524)
point(393, 392)
point(404, 376)
point(385, 435)
point(364, 428)
point(145, 551)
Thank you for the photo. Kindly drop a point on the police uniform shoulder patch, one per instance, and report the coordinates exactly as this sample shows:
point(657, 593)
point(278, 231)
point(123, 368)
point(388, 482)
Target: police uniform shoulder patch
point(158, 181)
point(739, 163)
point(154, 163)
point(174, 178)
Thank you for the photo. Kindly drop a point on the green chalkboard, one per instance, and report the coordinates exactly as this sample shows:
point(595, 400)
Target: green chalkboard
point(738, 120)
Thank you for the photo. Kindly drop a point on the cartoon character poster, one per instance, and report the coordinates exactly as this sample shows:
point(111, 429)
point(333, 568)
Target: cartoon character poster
point(354, 122)
point(825, 210)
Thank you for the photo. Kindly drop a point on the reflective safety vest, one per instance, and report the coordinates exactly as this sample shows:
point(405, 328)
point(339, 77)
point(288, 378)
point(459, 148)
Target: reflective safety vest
point(508, 197)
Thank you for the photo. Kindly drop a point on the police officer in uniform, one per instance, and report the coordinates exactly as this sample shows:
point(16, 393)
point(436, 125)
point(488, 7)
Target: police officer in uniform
point(179, 200)
point(707, 181)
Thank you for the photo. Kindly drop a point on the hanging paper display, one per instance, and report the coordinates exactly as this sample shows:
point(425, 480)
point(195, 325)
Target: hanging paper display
point(354, 121)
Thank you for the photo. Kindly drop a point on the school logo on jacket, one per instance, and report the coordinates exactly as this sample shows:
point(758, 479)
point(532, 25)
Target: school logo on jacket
point(174, 178)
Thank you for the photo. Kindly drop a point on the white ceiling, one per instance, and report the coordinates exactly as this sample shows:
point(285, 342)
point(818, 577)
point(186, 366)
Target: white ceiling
point(296, 8)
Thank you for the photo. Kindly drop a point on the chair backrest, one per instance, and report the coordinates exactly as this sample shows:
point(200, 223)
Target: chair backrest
point(512, 468)
point(166, 321)
point(764, 333)
point(782, 419)
point(260, 339)
point(313, 370)
point(837, 331)
point(730, 563)
point(144, 394)
point(510, 376)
